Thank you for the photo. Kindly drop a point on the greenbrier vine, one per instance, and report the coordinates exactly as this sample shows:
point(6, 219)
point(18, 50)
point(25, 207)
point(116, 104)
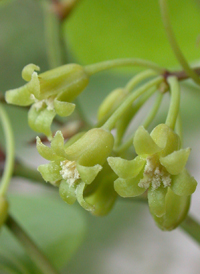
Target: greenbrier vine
point(96, 166)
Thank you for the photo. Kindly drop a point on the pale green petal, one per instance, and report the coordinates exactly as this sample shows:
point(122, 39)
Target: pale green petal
point(23, 96)
point(126, 169)
point(88, 174)
point(165, 138)
point(80, 199)
point(28, 71)
point(143, 142)
point(176, 161)
point(183, 184)
point(129, 187)
point(62, 108)
point(67, 192)
point(156, 200)
point(176, 211)
point(40, 120)
point(45, 151)
point(104, 196)
point(51, 172)
point(57, 144)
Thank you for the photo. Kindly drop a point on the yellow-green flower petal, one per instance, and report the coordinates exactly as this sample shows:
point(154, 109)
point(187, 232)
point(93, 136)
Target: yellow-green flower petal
point(176, 211)
point(57, 144)
point(24, 96)
point(45, 151)
point(88, 174)
point(67, 192)
point(62, 108)
point(183, 184)
point(129, 187)
point(165, 138)
point(143, 142)
point(28, 71)
point(80, 199)
point(126, 169)
point(40, 120)
point(176, 161)
point(156, 200)
point(51, 172)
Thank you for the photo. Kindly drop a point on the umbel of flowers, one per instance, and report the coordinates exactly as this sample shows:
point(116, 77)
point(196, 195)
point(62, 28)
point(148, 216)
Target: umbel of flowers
point(74, 166)
point(49, 93)
point(159, 169)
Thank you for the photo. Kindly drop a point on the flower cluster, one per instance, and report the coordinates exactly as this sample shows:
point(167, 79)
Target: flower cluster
point(49, 93)
point(158, 168)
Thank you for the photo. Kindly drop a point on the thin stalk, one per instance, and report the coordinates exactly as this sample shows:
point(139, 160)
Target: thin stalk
point(192, 228)
point(110, 123)
point(178, 128)
point(105, 65)
point(32, 250)
point(137, 79)
point(9, 137)
point(124, 122)
point(52, 35)
point(24, 171)
point(153, 111)
point(174, 102)
point(174, 45)
point(146, 123)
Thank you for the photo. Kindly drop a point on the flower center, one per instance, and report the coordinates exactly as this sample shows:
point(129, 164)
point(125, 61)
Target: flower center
point(154, 174)
point(69, 171)
point(40, 103)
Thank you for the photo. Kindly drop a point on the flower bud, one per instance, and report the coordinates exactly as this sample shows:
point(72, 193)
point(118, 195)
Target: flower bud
point(176, 211)
point(111, 102)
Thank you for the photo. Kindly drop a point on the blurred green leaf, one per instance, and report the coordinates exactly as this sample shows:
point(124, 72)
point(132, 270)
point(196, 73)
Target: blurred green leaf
point(57, 228)
point(107, 29)
point(21, 40)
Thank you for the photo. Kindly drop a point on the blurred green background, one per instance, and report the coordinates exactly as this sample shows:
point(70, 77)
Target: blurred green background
point(127, 240)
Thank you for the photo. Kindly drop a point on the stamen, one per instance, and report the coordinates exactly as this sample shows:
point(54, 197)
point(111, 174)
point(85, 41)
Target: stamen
point(69, 171)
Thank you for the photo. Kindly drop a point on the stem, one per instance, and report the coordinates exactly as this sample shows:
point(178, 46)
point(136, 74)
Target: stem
point(174, 102)
point(32, 250)
point(153, 111)
point(174, 45)
point(192, 227)
point(128, 88)
point(110, 123)
point(9, 151)
point(94, 68)
point(124, 121)
point(146, 123)
point(29, 173)
point(52, 34)
point(138, 79)
point(178, 128)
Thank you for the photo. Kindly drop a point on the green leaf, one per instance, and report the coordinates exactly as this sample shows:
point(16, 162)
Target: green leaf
point(57, 228)
point(100, 30)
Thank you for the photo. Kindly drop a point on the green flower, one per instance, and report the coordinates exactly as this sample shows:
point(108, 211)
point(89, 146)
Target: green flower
point(49, 93)
point(158, 168)
point(74, 166)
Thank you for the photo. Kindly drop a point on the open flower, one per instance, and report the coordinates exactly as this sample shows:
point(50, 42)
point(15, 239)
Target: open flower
point(74, 165)
point(49, 93)
point(158, 168)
